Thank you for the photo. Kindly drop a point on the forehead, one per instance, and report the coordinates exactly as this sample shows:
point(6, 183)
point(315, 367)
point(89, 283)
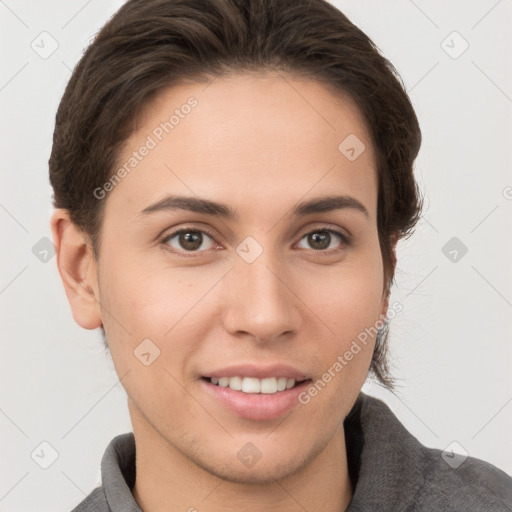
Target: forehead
point(252, 138)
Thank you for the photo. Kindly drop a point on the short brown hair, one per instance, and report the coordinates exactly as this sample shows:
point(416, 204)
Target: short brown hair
point(149, 45)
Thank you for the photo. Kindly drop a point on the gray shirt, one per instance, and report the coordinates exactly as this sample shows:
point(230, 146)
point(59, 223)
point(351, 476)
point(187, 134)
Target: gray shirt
point(389, 468)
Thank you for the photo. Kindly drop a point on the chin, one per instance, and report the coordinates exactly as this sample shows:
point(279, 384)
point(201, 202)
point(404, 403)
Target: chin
point(264, 468)
point(261, 473)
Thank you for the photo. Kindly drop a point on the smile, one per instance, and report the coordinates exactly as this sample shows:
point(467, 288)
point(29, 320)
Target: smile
point(254, 385)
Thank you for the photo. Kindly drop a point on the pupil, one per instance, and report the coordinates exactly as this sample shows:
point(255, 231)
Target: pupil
point(190, 240)
point(321, 238)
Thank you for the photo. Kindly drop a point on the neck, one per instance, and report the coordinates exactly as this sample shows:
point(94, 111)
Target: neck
point(167, 478)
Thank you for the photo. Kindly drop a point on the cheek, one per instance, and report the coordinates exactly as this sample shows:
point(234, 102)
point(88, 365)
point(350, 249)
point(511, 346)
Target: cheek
point(166, 305)
point(348, 302)
point(151, 336)
point(146, 297)
point(349, 305)
point(348, 298)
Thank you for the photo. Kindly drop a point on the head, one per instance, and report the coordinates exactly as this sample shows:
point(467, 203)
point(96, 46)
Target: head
point(260, 106)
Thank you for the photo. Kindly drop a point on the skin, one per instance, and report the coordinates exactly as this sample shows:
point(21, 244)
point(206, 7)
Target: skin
point(260, 143)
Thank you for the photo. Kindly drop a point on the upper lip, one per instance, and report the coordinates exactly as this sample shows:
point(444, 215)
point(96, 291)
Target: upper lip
point(259, 372)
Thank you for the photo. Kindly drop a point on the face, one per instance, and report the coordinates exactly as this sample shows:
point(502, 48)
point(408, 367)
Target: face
point(270, 296)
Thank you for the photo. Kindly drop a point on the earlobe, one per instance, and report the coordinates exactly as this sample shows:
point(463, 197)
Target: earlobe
point(77, 268)
point(384, 307)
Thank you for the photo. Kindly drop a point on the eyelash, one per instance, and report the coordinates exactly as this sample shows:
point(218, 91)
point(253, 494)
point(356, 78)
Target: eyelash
point(345, 240)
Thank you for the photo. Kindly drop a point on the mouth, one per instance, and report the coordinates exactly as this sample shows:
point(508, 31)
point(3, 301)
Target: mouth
point(262, 396)
point(254, 385)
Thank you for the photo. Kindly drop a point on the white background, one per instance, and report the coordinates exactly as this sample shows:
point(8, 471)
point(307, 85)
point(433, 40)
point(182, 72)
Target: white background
point(451, 344)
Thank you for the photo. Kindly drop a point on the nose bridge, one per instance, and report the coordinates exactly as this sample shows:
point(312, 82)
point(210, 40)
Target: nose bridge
point(258, 301)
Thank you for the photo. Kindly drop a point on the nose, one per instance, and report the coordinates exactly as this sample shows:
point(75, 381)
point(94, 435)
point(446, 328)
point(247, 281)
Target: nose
point(259, 301)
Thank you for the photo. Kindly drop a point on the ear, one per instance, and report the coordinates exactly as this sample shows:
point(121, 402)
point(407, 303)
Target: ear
point(387, 289)
point(77, 268)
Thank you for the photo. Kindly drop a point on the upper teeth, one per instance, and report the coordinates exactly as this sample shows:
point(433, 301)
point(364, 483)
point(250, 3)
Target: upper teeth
point(254, 385)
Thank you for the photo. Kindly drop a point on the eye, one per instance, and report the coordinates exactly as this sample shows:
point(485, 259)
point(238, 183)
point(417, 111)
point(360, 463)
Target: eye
point(189, 240)
point(322, 239)
point(194, 240)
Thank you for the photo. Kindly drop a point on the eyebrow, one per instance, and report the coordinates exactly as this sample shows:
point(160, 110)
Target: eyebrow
point(208, 207)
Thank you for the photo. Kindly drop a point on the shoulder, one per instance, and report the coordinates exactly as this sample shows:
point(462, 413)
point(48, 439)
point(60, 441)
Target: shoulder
point(469, 484)
point(397, 472)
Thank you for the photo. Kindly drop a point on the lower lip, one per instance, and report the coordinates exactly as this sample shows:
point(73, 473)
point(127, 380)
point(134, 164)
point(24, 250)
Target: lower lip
point(256, 406)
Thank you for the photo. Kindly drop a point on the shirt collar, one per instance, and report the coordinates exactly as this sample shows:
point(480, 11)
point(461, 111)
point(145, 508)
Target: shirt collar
point(387, 461)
